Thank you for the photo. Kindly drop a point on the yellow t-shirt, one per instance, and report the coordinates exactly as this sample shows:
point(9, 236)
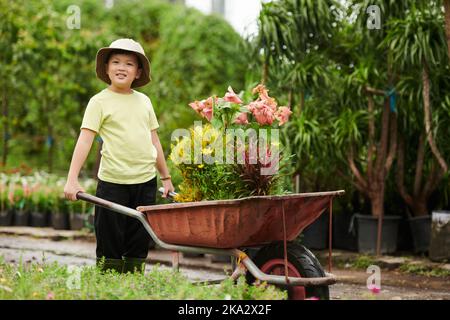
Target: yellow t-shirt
point(124, 122)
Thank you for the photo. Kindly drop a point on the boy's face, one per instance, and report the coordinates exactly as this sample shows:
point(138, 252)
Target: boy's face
point(123, 69)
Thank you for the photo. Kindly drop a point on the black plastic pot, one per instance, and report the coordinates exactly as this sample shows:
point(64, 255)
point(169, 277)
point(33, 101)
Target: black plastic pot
point(344, 235)
point(38, 219)
point(77, 221)
point(60, 221)
point(21, 218)
point(421, 233)
point(368, 231)
point(315, 235)
point(6, 217)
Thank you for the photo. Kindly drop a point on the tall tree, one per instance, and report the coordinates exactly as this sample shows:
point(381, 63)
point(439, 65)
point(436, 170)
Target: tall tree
point(418, 45)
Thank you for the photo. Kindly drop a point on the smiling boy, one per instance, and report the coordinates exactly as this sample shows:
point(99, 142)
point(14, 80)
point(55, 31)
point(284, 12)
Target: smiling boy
point(131, 154)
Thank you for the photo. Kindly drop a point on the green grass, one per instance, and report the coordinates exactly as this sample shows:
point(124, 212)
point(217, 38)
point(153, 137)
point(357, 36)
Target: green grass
point(363, 262)
point(53, 281)
point(424, 270)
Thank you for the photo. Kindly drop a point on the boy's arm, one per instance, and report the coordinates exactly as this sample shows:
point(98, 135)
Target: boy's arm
point(161, 165)
point(79, 156)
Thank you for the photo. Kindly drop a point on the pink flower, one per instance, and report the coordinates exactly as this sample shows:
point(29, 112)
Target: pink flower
point(242, 118)
point(50, 296)
point(197, 106)
point(282, 115)
point(230, 96)
point(312, 298)
point(204, 107)
point(264, 96)
point(261, 90)
point(262, 112)
point(259, 111)
point(207, 111)
point(252, 106)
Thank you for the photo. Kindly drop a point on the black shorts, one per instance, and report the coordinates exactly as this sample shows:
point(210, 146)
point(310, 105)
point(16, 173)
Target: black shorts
point(119, 235)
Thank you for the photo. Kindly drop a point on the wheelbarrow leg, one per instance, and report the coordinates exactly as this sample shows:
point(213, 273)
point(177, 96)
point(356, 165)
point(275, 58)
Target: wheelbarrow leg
point(175, 261)
point(240, 270)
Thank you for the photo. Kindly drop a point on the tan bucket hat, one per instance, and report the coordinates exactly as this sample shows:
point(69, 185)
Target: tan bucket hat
point(127, 45)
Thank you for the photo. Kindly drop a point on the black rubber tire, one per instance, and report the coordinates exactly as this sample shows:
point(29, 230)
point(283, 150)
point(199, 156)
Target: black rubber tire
point(151, 244)
point(304, 261)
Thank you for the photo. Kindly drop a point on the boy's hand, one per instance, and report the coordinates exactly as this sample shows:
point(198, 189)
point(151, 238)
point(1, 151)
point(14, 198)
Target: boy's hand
point(71, 189)
point(168, 187)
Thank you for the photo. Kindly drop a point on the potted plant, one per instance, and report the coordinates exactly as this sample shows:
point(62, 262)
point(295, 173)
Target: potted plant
point(21, 204)
point(6, 208)
point(367, 233)
point(58, 211)
point(78, 214)
point(39, 208)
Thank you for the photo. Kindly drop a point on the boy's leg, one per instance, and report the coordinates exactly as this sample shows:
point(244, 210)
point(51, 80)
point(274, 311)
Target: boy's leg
point(137, 239)
point(110, 226)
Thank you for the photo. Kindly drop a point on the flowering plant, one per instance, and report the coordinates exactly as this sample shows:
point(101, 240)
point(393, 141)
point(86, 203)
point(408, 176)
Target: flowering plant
point(230, 109)
point(205, 173)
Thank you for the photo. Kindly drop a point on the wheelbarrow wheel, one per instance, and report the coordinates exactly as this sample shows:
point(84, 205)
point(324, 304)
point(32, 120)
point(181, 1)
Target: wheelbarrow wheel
point(301, 263)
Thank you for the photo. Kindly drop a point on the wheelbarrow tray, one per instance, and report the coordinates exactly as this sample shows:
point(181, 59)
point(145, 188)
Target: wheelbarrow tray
point(244, 222)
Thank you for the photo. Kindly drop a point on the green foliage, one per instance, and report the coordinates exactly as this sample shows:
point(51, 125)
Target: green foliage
point(198, 56)
point(418, 37)
point(49, 70)
point(41, 192)
point(20, 199)
point(321, 60)
point(424, 270)
point(81, 207)
point(40, 201)
point(49, 282)
point(363, 262)
point(4, 201)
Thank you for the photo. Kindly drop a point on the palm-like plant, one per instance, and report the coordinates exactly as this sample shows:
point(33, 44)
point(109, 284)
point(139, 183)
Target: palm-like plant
point(418, 44)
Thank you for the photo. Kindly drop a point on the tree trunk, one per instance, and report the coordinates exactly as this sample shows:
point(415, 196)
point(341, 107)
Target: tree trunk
point(265, 72)
point(373, 184)
point(372, 149)
point(420, 206)
point(417, 202)
point(377, 201)
point(419, 166)
point(376, 186)
point(290, 98)
point(447, 24)
point(427, 114)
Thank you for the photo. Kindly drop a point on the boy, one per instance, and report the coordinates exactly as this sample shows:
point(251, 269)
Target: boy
point(131, 153)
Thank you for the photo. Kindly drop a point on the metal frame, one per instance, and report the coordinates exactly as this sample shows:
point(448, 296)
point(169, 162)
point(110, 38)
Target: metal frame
point(244, 261)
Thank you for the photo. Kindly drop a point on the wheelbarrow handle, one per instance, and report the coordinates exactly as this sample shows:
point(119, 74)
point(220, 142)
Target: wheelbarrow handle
point(109, 205)
point(170, 195)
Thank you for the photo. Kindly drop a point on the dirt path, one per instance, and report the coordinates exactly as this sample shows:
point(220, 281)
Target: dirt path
point(351, 285)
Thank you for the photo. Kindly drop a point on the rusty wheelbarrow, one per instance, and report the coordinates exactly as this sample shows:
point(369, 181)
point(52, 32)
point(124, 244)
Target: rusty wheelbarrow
point(231, 227)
